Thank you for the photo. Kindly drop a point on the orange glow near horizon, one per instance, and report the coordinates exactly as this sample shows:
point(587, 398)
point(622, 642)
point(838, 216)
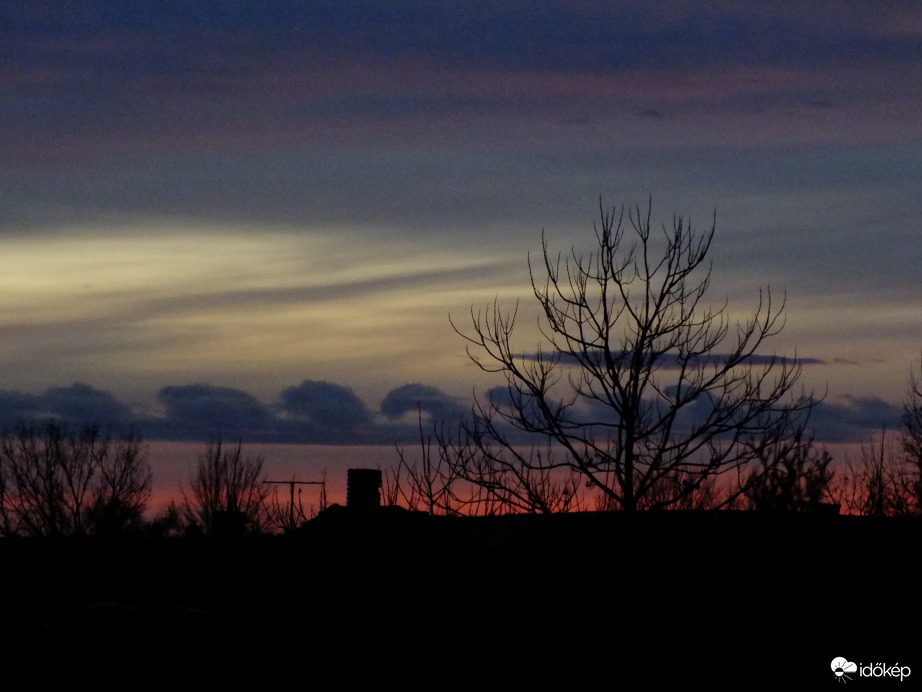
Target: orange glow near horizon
point(173, 464)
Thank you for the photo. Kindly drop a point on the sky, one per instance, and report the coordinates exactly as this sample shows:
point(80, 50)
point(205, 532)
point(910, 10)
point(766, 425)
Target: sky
point(255, 218)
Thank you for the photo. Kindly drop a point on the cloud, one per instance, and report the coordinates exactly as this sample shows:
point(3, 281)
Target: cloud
point(404, 402)
point(80, 403)
point(854, 419)
point(312, 412)
point(503, 35)
point(325, 404)
point(319, 412)
point(215, 70)
point(76, 405)
point(17, 407)
point(203, 409)
point(669, 361)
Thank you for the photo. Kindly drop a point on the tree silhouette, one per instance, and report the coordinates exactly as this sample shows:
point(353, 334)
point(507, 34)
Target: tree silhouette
point(57, 483)
point(911, 440)
point(877, 484)
point(792, 476)
point(638, 388)
point(122, 488)
point(225, 482)
point(426, 484)
point(887, 479)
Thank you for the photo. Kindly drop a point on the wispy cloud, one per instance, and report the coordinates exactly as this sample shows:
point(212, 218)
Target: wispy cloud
point(671, 361)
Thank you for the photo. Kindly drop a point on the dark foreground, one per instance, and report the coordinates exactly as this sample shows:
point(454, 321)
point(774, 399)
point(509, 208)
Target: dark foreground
point(728, 600)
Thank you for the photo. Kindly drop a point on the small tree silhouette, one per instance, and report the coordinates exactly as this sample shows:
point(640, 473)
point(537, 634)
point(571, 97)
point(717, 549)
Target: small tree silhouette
point(122, 489)
point(887, 481)
point(225, 481)
point(879, 484)
point(911, 441)
point(793, 477)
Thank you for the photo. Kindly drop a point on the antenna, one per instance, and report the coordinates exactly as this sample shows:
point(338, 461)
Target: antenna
point(291, 484)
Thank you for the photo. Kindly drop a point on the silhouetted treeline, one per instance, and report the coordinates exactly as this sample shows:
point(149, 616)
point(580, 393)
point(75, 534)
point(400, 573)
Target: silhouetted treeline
point(57, 482)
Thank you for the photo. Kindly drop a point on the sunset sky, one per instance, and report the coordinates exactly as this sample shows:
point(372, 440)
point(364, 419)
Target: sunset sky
point(257, 217)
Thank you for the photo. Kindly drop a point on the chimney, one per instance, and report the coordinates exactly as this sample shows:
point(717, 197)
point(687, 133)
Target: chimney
point(363, 489)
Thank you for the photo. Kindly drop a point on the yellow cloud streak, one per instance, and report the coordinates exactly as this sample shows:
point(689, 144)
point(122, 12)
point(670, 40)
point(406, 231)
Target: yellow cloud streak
point(81, 275)
point(210, 302)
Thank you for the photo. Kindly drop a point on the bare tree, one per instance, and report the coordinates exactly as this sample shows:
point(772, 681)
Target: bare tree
point(489, 478)
point(911, 441)
point(226, 481)
point(57, 483)
point(427, 483)
point(122, 488)
point(638, 388)
point(37, 501)
point(693, 494)
point(441, 480)
point(285, 514)
point(791, 475)
point(289, 516)
point(878, 484)
point(887, 479)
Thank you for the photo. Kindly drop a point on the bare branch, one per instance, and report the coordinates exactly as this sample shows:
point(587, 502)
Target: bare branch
point(640, 390)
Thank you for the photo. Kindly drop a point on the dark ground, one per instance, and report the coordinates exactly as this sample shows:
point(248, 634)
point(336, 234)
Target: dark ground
point(728, 600)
